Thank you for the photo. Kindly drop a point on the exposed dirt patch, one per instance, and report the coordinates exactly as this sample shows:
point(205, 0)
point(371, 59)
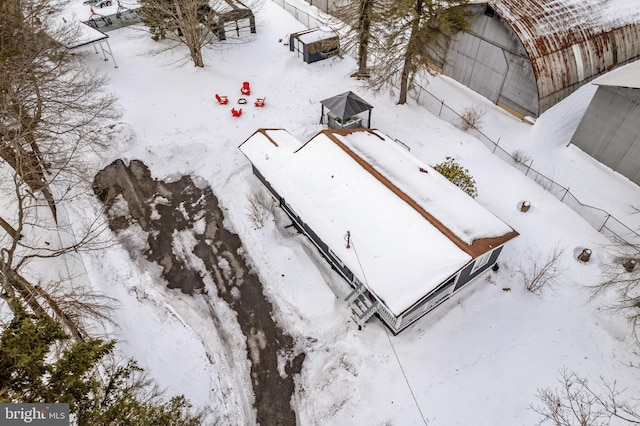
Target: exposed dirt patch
point(163, 210)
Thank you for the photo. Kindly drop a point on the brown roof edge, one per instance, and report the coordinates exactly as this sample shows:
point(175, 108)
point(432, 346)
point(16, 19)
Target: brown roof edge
point(475, 249)
point(263, 131)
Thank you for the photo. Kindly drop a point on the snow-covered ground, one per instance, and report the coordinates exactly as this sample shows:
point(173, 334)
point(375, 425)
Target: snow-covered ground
point(478, 359)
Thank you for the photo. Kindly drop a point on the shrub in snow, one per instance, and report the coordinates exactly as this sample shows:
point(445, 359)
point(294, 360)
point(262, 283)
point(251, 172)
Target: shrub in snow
point(471, 118)
point(520, 157)
point(540, 273)
point(458, 175)
point(259, 207)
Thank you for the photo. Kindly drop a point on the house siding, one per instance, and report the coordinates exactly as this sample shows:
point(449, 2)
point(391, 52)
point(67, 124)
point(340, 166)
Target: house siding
point(468, 273)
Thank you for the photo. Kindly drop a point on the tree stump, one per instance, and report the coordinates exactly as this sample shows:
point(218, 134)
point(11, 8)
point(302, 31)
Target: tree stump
point(585, 255)
point(629, 264)
point(525, 206)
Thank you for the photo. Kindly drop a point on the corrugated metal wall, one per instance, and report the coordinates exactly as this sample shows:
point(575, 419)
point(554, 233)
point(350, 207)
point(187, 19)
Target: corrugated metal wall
point(566, 43)
point(490, 59)
point(571, 42)
point(610, 130)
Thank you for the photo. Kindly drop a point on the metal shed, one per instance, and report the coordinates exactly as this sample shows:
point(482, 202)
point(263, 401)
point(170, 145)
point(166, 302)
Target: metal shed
point(314, 44)
point(527, 55)
point(610, 129)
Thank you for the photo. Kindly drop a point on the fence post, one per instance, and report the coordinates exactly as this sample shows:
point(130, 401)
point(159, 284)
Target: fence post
point(529, 168)
point(604, 223)
point(495, 145)
point(566, 191)
point(441, 105)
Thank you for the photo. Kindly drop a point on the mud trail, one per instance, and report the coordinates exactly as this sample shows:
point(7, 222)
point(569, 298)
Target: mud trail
point(132, 195)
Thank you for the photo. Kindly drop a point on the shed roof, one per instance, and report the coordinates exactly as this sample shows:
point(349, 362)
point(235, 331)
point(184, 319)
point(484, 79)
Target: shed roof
point(316, 34)
point(627, 76)
point(571, 41)
point(410, 227)
point(72, 33)
point(346, 104)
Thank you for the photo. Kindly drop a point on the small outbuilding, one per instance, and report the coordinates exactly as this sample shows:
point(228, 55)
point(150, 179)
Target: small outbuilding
point(78, 34)
point(404, 237)
point(343, 111)
point(528, 55)
point(610, 129)
point(314, 44)
point(234, 20)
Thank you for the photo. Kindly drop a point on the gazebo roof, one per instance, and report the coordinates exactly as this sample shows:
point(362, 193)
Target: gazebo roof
point(346, 104)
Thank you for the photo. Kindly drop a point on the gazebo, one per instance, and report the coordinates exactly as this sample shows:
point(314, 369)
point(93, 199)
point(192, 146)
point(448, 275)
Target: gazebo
point(344, 110)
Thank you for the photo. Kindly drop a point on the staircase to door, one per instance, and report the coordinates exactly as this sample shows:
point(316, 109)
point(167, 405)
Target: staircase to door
point(362, 307)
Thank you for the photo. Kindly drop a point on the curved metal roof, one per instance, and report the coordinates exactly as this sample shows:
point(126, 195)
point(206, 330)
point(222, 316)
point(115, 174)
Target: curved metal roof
point(569, 42)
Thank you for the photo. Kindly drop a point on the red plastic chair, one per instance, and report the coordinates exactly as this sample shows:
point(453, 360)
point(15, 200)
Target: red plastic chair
point(245, 89)
point(260, 101)
point(236, 112)
point(222, 100)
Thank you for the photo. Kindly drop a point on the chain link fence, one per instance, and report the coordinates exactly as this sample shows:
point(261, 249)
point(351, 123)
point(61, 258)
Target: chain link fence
point(299, 14)
point(596, 217)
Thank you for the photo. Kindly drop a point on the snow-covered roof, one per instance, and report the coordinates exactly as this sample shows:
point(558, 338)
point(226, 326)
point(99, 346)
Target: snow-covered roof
point(68, 29)
point(571, 41)
point(410, 228)
point(627, 76)
point(316, 34)
point(83, 34)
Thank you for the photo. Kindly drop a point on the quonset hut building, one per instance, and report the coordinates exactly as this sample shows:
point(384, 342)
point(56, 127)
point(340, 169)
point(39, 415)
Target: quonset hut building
point(527, 55)
point(404, 237)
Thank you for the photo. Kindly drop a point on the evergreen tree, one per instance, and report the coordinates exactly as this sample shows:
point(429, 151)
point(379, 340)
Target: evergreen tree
point(415, 36)
point(361, 18)
point(32, 372)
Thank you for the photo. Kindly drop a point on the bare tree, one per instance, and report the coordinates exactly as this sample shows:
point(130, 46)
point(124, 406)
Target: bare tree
point(542, 272)
point(577, 403)
point(52, 112)
point(183, 22)
point(414, 37)
point(622, 277)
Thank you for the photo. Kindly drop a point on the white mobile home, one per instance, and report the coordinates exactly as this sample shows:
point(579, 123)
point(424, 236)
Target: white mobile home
point(402, 235)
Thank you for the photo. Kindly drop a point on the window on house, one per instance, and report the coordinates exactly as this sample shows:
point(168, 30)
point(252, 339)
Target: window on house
point(481, 261)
